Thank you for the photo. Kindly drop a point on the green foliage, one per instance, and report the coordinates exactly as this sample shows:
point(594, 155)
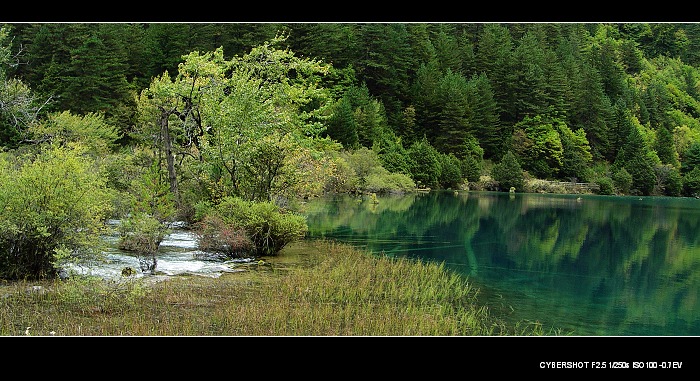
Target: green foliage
point(450, 171)
point(19, 106)
point(141, 233)
point(665, 147)
point(363, 162)
point(471, 168)
point(51, 210)
point(622, 180)
point(691, 158)
point(343, 177)
point(605, 186)
point(381, 180)
point(259, 109)
point(362, 170)
point(635, 156)
point(426, 163)
point(151, 196)
point(691, 183)
point(266, 225)
point(538, 145)
point(394, 156)
point(670, 182)
point(576, 157)
point(342, 126)
point(508, 173)
point(67, 128)
point(206, 113)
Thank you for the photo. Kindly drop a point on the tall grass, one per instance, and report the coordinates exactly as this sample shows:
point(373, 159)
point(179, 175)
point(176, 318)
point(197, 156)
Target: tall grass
point(339, 292)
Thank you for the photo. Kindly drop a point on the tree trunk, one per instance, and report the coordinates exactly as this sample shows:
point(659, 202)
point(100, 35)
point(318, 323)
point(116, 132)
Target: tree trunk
point(169, 157)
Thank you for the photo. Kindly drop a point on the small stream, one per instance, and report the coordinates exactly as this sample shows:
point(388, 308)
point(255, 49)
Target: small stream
point(178, 254)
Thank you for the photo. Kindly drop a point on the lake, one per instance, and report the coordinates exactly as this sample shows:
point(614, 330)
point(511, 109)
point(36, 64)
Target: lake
point(589, 265)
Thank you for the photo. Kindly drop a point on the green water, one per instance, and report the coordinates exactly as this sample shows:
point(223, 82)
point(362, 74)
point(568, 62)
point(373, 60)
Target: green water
point(588, 265)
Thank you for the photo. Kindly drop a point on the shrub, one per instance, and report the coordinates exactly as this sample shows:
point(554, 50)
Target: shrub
point(426, 163)
point(215, 235)
point(382, 181)
point(141, 233)
point(266, 225)
point(471, 168)
point(622, 180)
point(51, 210)
point(508, 173)
point(605, 186)
point(450, 171)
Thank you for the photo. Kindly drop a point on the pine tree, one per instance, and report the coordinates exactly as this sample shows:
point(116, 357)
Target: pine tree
point(635, 158)
point(508, 173)
point(665, 147)
point(484, 123)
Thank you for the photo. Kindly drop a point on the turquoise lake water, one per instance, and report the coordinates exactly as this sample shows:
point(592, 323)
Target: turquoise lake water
point(588, 265)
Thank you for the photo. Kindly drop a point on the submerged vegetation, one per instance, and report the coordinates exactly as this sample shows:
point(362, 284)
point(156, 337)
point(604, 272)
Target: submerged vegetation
point(339, 291)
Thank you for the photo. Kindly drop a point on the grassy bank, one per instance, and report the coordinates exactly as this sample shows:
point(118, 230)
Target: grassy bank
point(338, 291)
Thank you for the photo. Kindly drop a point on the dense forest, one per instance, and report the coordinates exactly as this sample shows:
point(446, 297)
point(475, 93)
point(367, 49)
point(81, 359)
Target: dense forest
point(206, 121)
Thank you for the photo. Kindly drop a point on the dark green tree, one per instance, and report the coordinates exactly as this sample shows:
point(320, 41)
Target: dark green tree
point(494, 57)
point(669, 180)
point(453, 115)
point(484, 123)
point(665, 147)
point(425, 92)
point(691, 158)
point(635, 158)
point(446, 48)
point(530, 78)
point(576, 155)
point(342, 125)
point(386, 64)
point(691, 183)
point(421, 45)
point(19, 106)
point(508, 173)
point(450, 171)
point(592, 110)
point(426, 163)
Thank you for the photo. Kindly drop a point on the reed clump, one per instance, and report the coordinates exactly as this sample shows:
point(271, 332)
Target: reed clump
point(338, 291)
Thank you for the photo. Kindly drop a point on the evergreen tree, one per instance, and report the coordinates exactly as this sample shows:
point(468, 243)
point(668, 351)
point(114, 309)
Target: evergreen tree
point(691, 158)
point(421, 45)
point(446, 49)
point(665, 147)
point(386, 64)
point(342, 125)
point(19, 106)
point(530, 78)
point(426, 163)
point(452, 119)
point(425, 99)
point(483, 122)
point(494, 58)
point(635, 158)
point(450, 171)
point(576, 154)
point(592, 111)
point(508, 173)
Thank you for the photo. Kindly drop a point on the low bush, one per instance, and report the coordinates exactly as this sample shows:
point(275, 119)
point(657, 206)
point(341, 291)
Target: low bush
point(267, 226)
point(215, 235)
